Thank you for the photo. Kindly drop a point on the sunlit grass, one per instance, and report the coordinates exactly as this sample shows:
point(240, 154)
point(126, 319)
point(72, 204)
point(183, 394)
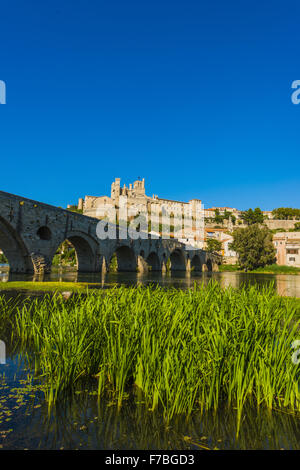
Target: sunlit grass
point(180, 350)
point(47, 286)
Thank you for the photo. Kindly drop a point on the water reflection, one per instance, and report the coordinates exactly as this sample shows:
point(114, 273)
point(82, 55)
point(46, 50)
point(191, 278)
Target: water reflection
point(83, 422)
point(285, 284)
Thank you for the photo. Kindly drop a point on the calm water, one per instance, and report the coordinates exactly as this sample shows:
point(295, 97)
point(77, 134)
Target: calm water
point(285, 284)
point(80, 421)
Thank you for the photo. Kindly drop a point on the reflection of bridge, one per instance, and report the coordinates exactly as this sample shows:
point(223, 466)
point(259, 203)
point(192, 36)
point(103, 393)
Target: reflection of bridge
point(31, 232)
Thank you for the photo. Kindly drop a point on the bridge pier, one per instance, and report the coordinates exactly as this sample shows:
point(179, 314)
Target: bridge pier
point(41, 263)
point(215, 267)
point(188, 266)
point(142, 266)
point(104, 266)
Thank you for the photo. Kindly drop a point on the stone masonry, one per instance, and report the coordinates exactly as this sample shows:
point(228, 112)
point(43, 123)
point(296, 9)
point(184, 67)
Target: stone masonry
point(31, 232)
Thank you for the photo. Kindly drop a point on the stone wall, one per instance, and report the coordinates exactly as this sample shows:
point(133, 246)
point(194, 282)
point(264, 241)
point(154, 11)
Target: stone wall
point(284, 224)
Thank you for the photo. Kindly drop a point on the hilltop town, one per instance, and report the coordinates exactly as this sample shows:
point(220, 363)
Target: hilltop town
point(218, 222)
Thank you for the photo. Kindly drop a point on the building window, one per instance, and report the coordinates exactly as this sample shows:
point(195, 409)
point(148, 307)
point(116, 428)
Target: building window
point(292, 259)
point(291, 251)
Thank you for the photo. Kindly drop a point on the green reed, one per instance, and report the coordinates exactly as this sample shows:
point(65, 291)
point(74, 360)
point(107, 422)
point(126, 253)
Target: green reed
point(180, 351)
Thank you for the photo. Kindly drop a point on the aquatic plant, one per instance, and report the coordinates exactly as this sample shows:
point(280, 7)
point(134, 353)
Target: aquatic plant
point(179, 350)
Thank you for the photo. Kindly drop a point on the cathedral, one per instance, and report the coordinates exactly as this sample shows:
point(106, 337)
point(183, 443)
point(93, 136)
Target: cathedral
point(138, 203)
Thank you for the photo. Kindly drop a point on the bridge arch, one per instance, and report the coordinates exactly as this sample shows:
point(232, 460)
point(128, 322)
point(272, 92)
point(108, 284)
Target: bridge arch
point(196, 263)
point(153, 261)
point(86, 251)
point(177, 260)
point(126, 259)
point(14, 249)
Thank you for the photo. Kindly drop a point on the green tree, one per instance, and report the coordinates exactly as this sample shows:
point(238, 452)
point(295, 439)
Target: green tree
point(213, 245)
point(113, 265)
point(65, 255)
point(227, 214)
point(3, 259)
point(218, 218)
point(75, 209)
point(233, 219)
point(286, 213)
point(254, 246)
point(251, 216)
point(296, 227)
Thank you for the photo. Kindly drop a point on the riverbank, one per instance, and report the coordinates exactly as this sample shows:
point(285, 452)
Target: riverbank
point(72, 282)
point(271, 269)
point(45, 286)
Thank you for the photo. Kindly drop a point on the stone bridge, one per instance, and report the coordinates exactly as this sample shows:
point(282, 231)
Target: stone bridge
point(31, 232)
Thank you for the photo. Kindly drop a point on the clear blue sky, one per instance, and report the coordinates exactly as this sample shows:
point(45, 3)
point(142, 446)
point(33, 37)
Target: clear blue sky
point(194, 96)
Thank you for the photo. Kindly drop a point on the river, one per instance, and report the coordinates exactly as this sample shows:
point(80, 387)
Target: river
point(80, 421)
point(285, 284)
